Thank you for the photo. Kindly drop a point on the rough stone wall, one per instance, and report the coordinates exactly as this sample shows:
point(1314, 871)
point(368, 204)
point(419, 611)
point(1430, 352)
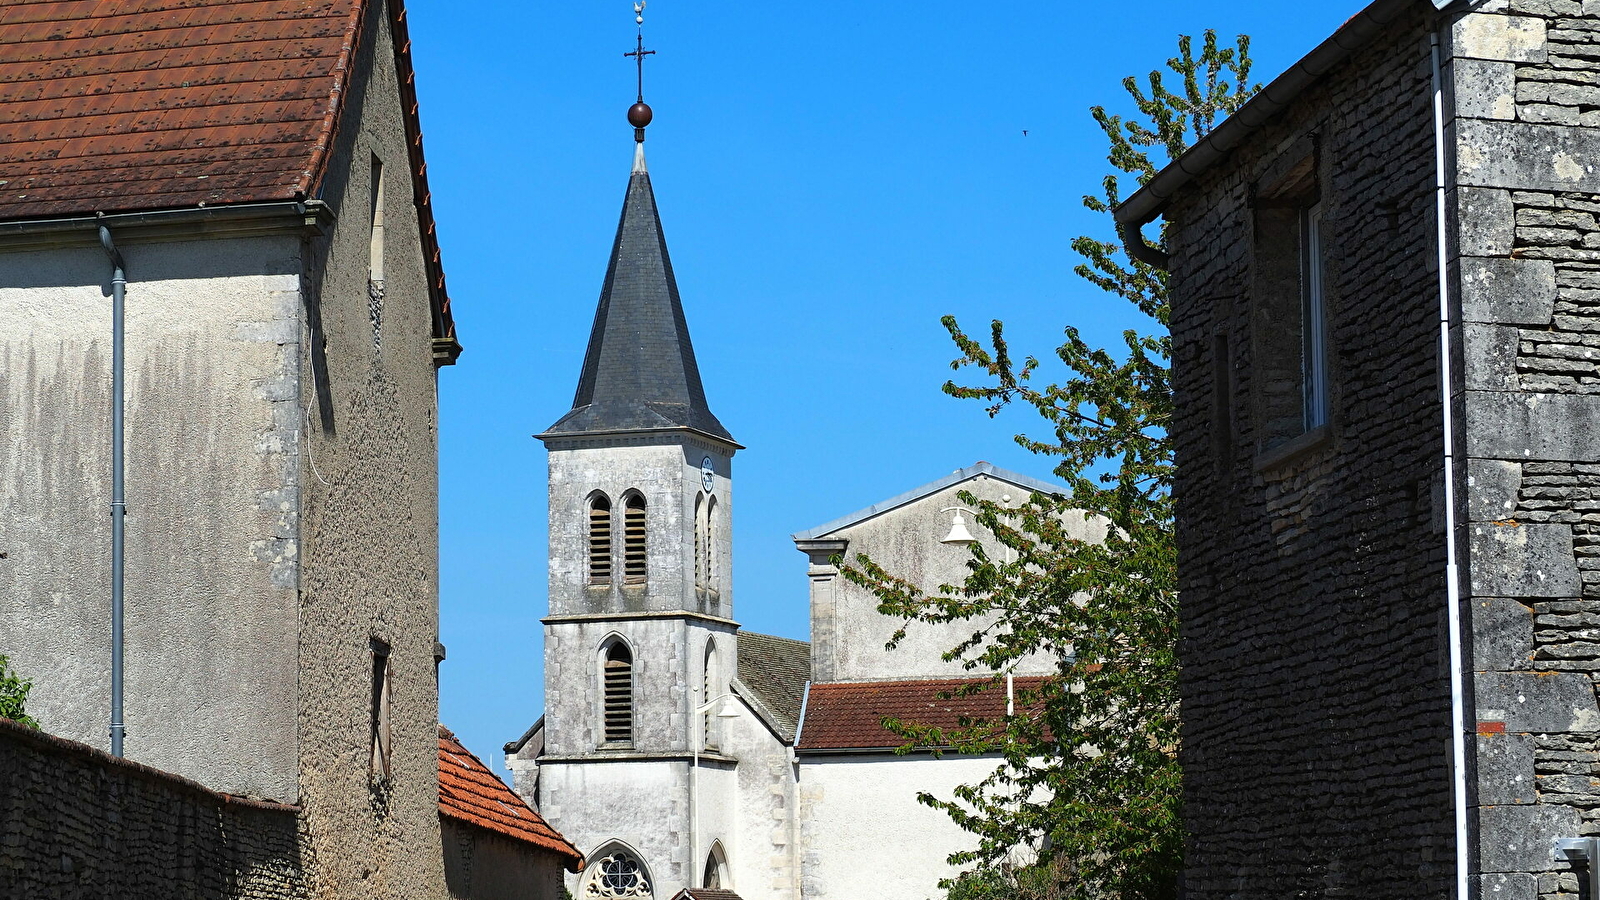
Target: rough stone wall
point(1526, 91)
point(1315, 679)
point(369, 535)
point(77, 823)
point(665, 470)
point(212, 475)
point(480, 864)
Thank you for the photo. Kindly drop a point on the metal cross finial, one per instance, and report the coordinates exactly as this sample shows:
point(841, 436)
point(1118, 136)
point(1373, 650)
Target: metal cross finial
point(640, 52)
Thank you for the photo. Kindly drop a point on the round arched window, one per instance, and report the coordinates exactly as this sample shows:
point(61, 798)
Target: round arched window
point(618, 874)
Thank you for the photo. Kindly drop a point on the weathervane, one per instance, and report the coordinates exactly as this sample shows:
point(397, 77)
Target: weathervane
point(639, 114)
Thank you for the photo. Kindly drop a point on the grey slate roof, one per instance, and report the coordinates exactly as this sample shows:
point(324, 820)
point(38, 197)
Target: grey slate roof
point(1026, 482)
point(640, 373)
point(773, 672)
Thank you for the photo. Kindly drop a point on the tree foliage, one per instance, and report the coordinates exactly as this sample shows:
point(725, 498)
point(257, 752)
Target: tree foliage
point(13, 694)
point(1090, 777)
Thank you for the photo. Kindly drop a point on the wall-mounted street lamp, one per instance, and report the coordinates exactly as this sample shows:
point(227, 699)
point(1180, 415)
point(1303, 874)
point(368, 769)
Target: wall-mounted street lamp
point(695, 737)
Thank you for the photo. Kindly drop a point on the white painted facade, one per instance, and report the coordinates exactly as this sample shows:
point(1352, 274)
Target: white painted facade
point(213, 362)
point(860, 823)
point(779, 825)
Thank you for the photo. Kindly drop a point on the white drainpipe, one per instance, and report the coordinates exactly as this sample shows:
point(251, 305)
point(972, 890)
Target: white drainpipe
point(1452, 572)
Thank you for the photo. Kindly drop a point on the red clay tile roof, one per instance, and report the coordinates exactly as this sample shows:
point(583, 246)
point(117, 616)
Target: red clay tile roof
point(469, 792)
point(705, 894)
point(140, 105)
point(849, 715)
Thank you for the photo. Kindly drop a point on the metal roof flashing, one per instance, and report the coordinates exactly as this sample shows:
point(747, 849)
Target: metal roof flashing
point(932, 487)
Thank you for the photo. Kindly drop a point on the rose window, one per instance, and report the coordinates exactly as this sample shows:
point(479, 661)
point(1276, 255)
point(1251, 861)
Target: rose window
point(618, 875)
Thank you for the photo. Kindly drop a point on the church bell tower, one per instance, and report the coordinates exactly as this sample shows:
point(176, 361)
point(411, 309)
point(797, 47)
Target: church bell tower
point(640, 631)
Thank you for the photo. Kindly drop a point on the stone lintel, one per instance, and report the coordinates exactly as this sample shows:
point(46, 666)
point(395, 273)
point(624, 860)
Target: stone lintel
point(1523, 560)
point(1504, 291)
point(1518, 838)
point(1527, 157)
point(1505, 38)
point(1537, 703)
point(1532, 427)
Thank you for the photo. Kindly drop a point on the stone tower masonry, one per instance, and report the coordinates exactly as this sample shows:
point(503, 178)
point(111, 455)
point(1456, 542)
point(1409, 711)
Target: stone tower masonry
point(614, 774)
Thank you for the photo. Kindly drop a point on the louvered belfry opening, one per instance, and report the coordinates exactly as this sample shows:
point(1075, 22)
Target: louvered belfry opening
point(699, 540)
point(619, 694)
point(633, 561)
point(600, 541)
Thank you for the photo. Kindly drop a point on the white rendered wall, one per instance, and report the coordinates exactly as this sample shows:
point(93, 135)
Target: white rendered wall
point(213, 355)
point(849, 633)
point(761, 842)
point(860, 822)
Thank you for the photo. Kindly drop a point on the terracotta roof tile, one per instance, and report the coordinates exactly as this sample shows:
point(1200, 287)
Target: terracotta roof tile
point(164, 74)
point(849, 715)
point(705, 894)
point(160, 104)
point(469, 792)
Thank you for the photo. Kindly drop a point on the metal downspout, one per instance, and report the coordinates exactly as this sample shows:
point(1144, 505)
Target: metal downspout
point(119, 500)
point(1452, 574)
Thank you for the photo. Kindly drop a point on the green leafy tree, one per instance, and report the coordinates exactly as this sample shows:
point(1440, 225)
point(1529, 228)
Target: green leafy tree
point(13, 693)
point(1090, 775)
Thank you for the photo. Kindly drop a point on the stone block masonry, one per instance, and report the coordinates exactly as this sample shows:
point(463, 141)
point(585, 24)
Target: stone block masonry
point(1316, 693)
point(1315, 681)
point(76, 823)
point(1531, 395)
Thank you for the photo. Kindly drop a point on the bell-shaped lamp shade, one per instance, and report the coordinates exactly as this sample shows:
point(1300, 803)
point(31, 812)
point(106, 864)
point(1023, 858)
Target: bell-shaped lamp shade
point(727, 710)
point(958, 532)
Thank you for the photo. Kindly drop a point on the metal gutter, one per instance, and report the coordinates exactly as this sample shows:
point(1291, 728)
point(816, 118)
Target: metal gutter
point(1152, 198)
point(201, 221)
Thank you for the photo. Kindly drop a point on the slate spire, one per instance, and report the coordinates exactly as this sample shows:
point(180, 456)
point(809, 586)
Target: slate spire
point(640, 373)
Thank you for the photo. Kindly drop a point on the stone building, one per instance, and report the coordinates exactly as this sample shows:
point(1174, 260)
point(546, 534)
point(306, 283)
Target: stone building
point(1386, 525)
point(677, 751)
point(256, 172)
point(496, 847)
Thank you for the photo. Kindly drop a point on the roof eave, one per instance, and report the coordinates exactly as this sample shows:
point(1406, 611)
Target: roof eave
point(1149, 201)
point(548, 436)
point(312, 217)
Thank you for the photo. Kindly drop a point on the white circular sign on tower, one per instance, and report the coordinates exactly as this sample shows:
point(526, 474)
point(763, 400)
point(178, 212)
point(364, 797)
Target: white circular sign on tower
point(708, 475)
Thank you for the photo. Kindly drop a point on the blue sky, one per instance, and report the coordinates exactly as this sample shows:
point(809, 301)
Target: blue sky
point(833, 177)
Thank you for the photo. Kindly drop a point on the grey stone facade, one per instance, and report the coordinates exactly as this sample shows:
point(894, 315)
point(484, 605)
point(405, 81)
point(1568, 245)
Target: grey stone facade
point(1317, 715)
point(282, 470)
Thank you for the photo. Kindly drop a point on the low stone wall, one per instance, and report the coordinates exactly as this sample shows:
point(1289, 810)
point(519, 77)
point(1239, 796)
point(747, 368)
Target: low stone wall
point(79, 823)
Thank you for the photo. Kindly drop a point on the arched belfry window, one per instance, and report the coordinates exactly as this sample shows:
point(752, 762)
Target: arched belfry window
point(708, 692)
point(633, 540)
point(711, 543)
point(616, 871)
point(617, 679)
point(599, 540)
point(700, 540)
